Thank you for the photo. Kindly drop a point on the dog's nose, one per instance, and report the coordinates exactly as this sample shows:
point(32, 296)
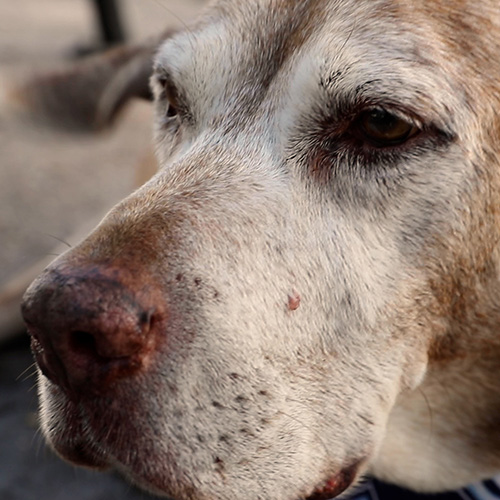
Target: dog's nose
point(88, 328)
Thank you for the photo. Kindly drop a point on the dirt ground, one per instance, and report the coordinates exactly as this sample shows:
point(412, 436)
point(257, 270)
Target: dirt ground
point(52, 182)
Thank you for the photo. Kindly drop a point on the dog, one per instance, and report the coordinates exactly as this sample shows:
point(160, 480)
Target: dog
point(307, 291)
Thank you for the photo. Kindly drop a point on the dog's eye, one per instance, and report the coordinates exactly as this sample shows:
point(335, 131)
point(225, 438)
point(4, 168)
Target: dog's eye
point(382, 128)
point(171, 95)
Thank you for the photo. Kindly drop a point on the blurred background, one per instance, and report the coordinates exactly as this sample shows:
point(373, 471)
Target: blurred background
point(53, 185)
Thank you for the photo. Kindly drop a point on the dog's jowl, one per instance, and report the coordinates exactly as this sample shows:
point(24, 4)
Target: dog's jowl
point(308, 289)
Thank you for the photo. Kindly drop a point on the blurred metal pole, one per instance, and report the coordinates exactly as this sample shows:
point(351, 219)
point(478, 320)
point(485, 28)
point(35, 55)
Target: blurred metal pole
point(110, 21)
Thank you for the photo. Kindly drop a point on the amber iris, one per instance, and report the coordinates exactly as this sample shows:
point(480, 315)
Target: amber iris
point(383, 128)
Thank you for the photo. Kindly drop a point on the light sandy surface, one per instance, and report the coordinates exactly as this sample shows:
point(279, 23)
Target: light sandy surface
point(51, 183)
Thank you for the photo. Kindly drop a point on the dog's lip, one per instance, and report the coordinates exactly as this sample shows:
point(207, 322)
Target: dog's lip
point(82, 454)
point(73, 443)
point(336, 484)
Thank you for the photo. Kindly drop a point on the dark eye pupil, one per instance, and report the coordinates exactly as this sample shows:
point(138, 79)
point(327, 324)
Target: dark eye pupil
point(171, 96)
point(171, 111)
point(384, 128)
point(381, 121)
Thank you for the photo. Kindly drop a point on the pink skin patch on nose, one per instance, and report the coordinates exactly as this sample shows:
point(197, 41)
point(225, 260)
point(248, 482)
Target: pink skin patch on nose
point(293, 301)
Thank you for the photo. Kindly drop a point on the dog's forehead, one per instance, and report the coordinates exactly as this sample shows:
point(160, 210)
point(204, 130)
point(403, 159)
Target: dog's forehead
point(280, 27)
point(259, 36)
point(238, 50)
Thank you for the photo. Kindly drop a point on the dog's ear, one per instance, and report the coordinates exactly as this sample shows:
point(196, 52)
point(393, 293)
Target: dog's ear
point(88, 94)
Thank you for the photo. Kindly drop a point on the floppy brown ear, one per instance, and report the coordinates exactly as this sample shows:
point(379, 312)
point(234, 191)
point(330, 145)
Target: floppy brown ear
point(88, 95)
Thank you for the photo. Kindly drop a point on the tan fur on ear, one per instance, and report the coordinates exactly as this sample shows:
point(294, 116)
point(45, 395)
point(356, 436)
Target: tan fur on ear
point(89, 94)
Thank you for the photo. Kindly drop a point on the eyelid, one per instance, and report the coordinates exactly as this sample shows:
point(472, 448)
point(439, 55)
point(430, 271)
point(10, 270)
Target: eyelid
point(161, 80)
point(398, 113)
point(171, 94)
point(166, 89)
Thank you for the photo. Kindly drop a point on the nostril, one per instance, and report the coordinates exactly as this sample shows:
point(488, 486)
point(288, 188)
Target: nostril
point(83, 343)
point(145, 318)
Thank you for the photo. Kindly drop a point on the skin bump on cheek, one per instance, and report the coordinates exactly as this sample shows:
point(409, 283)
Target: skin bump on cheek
point(293, 301)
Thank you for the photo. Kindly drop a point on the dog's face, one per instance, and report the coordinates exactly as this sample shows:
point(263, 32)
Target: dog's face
point(247, 323)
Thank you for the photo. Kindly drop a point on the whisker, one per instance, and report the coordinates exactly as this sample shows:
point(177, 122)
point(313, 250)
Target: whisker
point(314, 432)
point(30, 375)
point(33, 387)
point(30, 367)
point(430, 411)
point(172, 13)
point(39, 441)
point(343, 46)
point(178, 18)
point(59, 239)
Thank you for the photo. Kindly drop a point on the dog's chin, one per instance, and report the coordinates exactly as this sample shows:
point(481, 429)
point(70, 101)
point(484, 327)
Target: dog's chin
point(157, 482)
point(86, 433)
point(80, 453)
point(84, 456)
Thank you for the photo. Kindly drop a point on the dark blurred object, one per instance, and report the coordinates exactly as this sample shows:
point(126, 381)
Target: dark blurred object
point(110, 26)
point(110, 21)
point(88, 95)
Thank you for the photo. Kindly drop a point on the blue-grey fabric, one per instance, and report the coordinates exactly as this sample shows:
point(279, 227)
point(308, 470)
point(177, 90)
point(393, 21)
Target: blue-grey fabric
point(375, 490)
